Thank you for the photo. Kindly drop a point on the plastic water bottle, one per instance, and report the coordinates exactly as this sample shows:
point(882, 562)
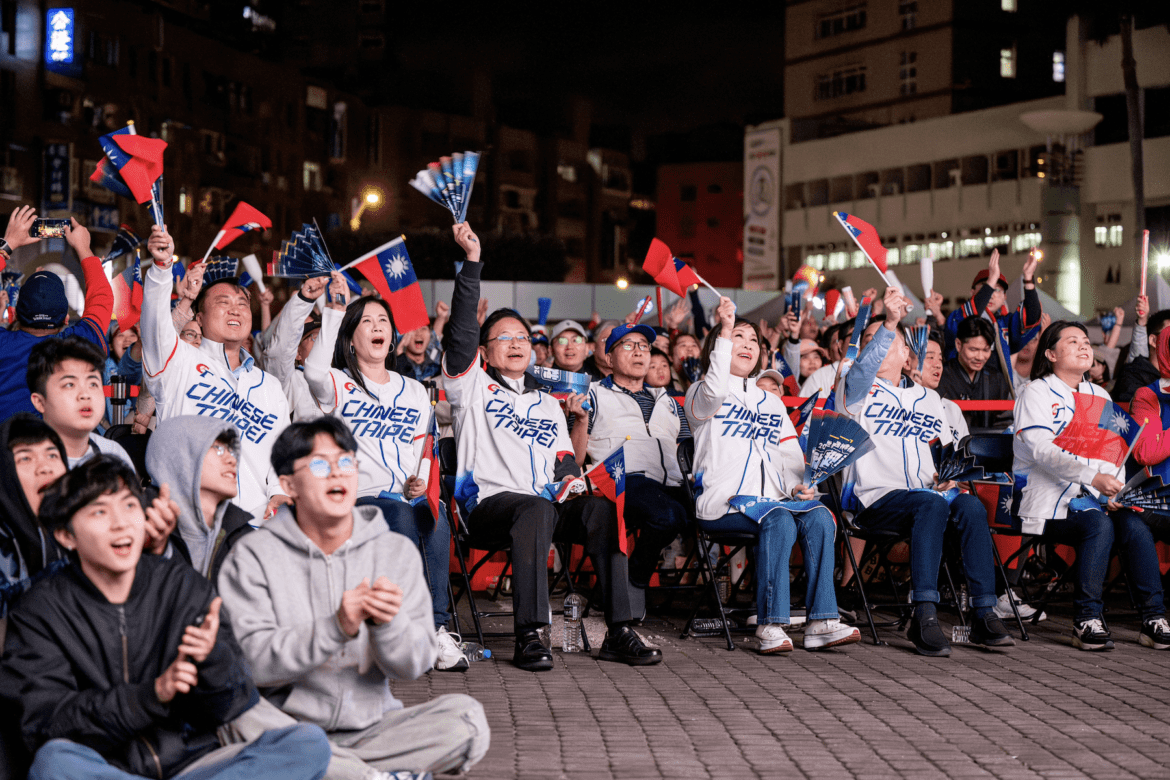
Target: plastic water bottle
point(474, 651)
point(574, 610)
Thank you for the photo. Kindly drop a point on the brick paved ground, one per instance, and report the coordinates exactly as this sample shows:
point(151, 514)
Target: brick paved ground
point(1039, 710)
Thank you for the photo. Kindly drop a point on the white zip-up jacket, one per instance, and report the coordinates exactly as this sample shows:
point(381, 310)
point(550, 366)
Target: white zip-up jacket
point(822, 379)
point(281, 359)
point(901, 422)
point(1048, 477)
point(651, 448)
point(389, 422)
point(744, 442)
point(198, 380)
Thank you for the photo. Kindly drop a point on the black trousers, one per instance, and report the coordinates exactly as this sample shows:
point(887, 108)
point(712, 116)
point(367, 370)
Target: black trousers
point(531, 524)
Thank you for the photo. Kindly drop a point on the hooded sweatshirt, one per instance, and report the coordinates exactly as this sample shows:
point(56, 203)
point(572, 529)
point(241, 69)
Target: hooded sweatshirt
point(175, 457)
point(25, 549)
point(282, 593)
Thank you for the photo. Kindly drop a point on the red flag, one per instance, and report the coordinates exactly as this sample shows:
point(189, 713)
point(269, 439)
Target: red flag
point(243, 219)
point(389, 269)
point(668, 270)
point(609, 479)
point(832, 298)
point(128, 295)
point(866, 237)
point(434, 485)
point(145, 164)
point(1098, 430)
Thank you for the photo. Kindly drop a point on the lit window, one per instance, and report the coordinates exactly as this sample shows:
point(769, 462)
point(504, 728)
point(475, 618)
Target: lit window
point(838, 261)
point(1058, 66)
point(816, 261)
point(913, 253)
point(1008, 5)
point(312, 176)
point(1025, 241)
point(1100, 235)
point(970, 247)
point(1115, 235)
point(1007, 63)
point(908, 75)
point(893, 256)
point(185, 203)
point(858, 259)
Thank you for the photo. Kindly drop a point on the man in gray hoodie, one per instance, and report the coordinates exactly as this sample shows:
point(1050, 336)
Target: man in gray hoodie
point(198, 457)
point(328, 604)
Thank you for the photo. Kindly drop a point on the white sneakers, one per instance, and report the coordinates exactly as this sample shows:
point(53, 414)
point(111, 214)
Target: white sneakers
point(829, 633)
point(773, 639)
point(1003, 608)
point(451, 658)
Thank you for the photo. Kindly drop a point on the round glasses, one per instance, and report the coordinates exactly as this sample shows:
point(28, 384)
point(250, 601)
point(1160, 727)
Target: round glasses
point(566, 340)
point(346, 466)
point(506, 338)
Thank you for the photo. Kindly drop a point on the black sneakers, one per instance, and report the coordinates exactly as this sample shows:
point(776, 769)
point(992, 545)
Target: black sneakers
point(1093, 634)
point(989, 631)
point(1155, 633)
point(927, 636)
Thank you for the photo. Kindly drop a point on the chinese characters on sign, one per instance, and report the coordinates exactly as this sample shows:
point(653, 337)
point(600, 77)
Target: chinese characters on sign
point(57, 184)
point(59, 36)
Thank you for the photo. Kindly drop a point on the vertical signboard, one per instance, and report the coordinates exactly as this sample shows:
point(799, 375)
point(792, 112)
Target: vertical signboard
point(761, 208)
point(60, 42)
point(57, 192)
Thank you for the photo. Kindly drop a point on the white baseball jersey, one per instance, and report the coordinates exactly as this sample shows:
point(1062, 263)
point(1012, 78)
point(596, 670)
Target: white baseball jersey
point(744, 442)
point(651, 448)
point(508, 441)
point(198, 380)
point(282, 357)
point(956, 420)
point(1048, 477)
point(822, 379)
point(389, 422)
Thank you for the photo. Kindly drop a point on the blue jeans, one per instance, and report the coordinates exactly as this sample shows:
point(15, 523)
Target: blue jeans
point(1093, 535)
point(659, 513)
point(300, 752)
point(778, 532)
point(433, 539)
point(925, 515)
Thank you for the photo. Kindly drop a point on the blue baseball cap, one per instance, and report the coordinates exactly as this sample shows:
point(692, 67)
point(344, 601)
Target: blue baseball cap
point(621, 331)
point(41, 302)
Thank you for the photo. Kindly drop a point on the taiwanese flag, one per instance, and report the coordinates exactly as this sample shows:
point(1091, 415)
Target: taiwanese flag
point(244, 218)
point(1099, 430)
point(668, 270)
point(128, 295)
point(790, 385)
point(124, 243)
point(138, 161)
point(609, 479)
point(866, 237)
point(389, 269)
point(434, 479)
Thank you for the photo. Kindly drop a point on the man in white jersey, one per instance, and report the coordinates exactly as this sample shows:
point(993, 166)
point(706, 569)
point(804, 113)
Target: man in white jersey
point(216, 379)
point(513, 441)
point(895, 484)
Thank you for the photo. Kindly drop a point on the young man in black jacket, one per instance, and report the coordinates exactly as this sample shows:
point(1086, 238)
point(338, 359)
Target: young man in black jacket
point(974, 374)
point(119, 666)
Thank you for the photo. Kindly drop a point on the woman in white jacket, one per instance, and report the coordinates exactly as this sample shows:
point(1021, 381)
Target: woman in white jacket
point(349, 373)
point(1060, 493)
point(746, 445)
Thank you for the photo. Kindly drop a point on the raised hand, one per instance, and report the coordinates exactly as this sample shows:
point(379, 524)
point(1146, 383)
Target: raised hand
point(790, 324)
point(1107, 485)
point(19, 223)
point(161, 246)
point(481, 311)
point(352, 611)
point(934, 303)
point(725, 313)
point(1143, 309)
point(467, 240)
point(267, 297)
point(1030, 267)
point(442, 310)
point(78, 238)
point(993, 269)
point(773, 335)
point(896, 306)
point(161, 517)
point(338, 288)
point(314, 287)
point(676, 314)
point(198, 641)
point(192, 282)
point(1119, 313)
point(383, 601)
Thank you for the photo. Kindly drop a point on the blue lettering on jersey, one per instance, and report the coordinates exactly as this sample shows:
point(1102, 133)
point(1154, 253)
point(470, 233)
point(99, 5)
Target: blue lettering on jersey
point(540, 431)
point(903, 423)
point(374, 421)
point(739, 422)
point(225, 404)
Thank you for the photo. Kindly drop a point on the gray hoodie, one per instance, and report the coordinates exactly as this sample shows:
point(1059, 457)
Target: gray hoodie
point(282, 594)
point(175, 457)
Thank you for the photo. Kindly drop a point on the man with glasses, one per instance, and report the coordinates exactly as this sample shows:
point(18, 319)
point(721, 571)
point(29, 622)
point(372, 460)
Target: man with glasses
point(513, 447)
point(569, 347)
point(328, 604)
point(648, 421)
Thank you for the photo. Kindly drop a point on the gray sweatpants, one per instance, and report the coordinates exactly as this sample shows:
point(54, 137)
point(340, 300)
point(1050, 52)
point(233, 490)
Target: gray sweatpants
point(445, 734)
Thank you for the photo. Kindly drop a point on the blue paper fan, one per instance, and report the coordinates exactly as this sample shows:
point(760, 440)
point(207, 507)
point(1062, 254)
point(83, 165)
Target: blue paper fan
point(220, 267)
point(834, 442)
point(1145, 491)
point(302, 256)
point(863, 312)
point(449, 181)
point(917, 338)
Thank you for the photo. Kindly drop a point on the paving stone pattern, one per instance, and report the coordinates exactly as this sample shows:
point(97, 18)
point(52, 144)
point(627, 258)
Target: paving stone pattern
point(1039, 710)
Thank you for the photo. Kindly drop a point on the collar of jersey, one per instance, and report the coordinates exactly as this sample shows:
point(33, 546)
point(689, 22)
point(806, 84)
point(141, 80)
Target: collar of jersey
point(608, 384)
point(214, 349)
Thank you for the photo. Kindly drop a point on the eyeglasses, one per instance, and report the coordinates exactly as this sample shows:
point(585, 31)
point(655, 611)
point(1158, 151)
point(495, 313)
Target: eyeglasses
point(565, 340)
point(346, 466)
point(505, 338)
point(630, 346)
point(222, 450)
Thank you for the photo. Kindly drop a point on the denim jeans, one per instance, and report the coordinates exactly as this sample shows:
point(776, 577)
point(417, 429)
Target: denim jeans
point(299, 752)
point(778, 532)
point(659, 513)
point(925, 515)
point(433, 539)
point(1093, 535)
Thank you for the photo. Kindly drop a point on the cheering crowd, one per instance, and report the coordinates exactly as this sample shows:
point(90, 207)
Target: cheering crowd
point(233, 595)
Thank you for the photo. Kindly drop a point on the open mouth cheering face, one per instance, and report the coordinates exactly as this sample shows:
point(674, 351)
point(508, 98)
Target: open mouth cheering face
point(374, 337)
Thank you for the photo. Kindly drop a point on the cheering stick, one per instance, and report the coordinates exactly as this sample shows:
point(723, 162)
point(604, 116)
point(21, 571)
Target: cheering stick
point(252, 265)
point(1145, 257)
point(927, 271)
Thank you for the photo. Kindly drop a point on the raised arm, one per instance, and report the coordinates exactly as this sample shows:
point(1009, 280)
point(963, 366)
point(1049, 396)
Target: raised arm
point(706, 396)
point(461, 335)
point(290, 325)
point(320, 358)
point(99, 296)
point(160, 340)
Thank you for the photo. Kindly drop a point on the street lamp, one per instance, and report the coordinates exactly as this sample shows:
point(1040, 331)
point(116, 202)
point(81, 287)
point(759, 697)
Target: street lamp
point(372, 200)
point(622, 283)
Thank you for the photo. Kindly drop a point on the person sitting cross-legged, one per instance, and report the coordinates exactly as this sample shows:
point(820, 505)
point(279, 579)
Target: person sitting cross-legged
point(512, 442)
point(896, 484)
point(329, 604)
point(624, 410)
point(120, 667)
point(745, 444)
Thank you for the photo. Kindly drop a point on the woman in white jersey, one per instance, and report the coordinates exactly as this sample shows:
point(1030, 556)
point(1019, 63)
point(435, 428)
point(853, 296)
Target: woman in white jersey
point(349, 373)
point(1060, 493)
point(746, 445)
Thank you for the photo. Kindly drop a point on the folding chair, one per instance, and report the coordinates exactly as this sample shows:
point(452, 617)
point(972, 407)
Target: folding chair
point(704, 539)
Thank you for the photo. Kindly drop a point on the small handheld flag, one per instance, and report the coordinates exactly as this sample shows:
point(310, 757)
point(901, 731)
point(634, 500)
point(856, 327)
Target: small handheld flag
point(789, 385)
point(125, 242)
point(244, 218)
point(133, 167)
point(449, 182)
point(645, 306)
point(430, 461)
point(389, 269)
point(801, 414)
point(1099, 430)
point(669, 271)
point(867, 239)
point(128, 295)
point(609, 479)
